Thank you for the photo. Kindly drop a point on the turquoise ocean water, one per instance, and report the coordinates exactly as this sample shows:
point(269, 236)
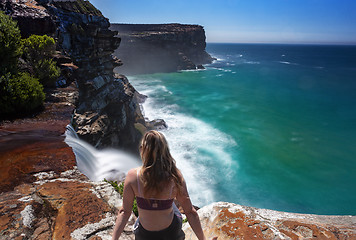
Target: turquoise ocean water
point(268, 126)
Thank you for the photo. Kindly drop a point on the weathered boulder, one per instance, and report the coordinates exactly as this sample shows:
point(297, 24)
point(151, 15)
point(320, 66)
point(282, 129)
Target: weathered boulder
point(233, 221)
point(157, 124)
point(149, 48)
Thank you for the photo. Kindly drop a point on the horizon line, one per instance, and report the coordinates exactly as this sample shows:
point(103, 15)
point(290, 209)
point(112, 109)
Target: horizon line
point(290, 43)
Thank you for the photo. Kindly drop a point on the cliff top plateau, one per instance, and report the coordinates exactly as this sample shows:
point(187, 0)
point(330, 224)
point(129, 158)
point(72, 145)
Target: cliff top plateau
point(150, 48)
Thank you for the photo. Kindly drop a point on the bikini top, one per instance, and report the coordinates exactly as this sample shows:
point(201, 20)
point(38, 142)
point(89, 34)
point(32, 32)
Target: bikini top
point(152, 203)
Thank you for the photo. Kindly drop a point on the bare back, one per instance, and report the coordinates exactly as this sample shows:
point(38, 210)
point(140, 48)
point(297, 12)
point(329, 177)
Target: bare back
point(154, 220)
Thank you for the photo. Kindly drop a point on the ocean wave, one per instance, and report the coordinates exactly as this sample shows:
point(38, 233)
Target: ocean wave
point(197, 146)
point(192, 70)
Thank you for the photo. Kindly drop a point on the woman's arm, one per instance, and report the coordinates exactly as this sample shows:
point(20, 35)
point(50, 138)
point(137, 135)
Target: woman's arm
point(126, 210)
point(192, 215)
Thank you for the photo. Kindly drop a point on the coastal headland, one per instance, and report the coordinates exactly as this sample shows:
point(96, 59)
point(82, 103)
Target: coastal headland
point(151, 48)
point(44, 196)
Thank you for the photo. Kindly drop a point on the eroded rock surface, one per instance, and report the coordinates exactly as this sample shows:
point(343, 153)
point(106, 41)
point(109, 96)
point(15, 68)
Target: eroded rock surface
point(31, 17)
point(60, 206)
point(232, 221)
point(36, 144)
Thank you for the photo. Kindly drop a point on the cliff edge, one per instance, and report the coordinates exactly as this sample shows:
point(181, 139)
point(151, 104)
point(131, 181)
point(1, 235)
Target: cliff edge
point(151, 48)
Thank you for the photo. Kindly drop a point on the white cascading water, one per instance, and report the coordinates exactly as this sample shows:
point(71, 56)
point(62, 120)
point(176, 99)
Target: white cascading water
point(97, 165)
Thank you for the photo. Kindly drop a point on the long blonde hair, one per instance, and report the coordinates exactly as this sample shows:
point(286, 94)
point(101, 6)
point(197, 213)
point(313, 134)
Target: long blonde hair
point(158, 165)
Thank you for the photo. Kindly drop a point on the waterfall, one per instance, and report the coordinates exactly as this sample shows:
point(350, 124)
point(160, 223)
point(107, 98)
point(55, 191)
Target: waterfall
point(97, 165)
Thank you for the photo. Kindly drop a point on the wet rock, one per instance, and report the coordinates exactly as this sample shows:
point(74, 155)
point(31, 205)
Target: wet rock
point(157, 124)
point(36, 144)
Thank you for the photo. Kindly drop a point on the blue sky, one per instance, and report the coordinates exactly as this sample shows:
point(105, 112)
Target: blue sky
point(242, 21)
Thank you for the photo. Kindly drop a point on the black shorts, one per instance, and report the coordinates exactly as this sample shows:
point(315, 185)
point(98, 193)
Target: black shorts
point(173, 232)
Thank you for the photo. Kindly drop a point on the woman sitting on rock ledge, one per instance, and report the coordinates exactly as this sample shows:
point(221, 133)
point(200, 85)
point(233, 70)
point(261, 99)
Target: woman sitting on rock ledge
point(156, 184)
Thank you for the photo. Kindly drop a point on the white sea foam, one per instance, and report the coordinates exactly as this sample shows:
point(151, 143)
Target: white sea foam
point(251, 62)
point(288, 63)
point(192, 70)
point(199, 149)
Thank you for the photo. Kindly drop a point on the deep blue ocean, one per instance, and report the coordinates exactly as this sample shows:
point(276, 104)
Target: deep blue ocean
point(268, 126)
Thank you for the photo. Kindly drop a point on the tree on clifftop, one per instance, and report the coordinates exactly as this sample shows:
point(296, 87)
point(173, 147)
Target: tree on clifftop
point(10, 44)
point(38, 51)
point(20, 93)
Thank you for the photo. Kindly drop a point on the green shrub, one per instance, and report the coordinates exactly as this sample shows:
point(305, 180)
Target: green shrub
point(19, 95)
point(38, 51)
point(38, 47)
point(10, 44)
point(47, 72)
point(120, 189)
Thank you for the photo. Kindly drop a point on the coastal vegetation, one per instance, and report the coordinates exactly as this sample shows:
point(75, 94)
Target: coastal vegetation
point(38, 52)
point(119, 187)
point(26, 67)
point(79, 6)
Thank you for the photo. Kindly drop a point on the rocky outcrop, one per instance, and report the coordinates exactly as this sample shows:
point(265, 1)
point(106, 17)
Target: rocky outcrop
point(61, 206)
point(107, 113)
point(31, 17)
point(150, 48)
point(233, 221)
point(37, 144)
point(107, 110)
point(69, 206)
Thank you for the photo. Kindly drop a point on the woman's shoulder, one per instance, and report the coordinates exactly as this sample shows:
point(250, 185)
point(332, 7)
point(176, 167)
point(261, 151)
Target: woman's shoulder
point(132, 174)
point(133, 171)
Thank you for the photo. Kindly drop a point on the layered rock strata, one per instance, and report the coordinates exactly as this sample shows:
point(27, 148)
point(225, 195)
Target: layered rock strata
point(30, 16)
point(107, 109)
point(150, 48)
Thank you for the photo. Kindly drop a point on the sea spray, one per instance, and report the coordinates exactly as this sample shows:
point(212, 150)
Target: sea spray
point(97, 165)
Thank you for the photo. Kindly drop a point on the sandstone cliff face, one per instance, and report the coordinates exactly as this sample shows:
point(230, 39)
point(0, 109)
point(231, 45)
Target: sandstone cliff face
point(31, 17)
point(150, 48)
point(107, 109)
